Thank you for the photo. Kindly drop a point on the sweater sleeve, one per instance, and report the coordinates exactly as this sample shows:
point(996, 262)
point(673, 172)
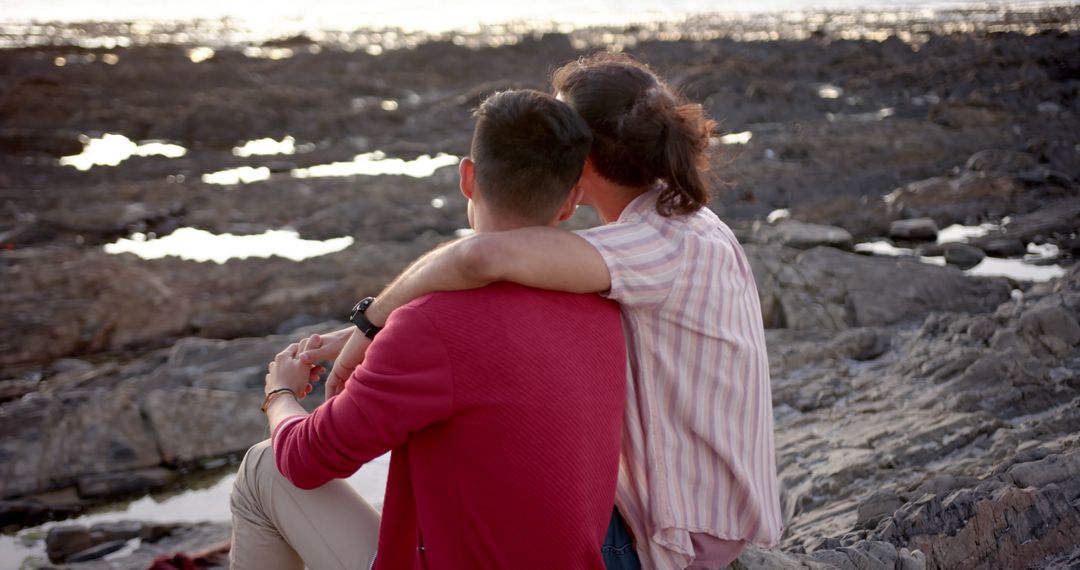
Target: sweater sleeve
point(404, 385)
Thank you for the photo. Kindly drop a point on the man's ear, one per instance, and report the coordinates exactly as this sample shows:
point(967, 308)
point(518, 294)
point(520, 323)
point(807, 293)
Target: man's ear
point(571, 203)
point(467, 173)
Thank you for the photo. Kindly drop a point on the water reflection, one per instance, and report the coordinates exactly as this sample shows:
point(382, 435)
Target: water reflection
point(959, 233)
point(199, 245)
point(736, 138)
point(1017, 269)
point(112, 149)
point(376, 163)
point(239, 175)
point(210, 504)
point(828, 91)
point(267, 146)
point(200, 54)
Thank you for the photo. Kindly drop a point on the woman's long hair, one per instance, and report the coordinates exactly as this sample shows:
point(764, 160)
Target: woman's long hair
point(643, 132)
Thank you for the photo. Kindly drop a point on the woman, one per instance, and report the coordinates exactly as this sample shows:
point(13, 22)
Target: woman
point(697, 477)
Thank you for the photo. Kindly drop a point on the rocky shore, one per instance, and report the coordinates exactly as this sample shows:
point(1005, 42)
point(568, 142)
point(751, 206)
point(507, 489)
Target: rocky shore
point(927, 413)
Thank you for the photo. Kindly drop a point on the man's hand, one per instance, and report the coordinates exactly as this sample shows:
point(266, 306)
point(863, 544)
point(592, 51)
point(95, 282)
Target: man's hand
point(351, 356)
point(326, 347)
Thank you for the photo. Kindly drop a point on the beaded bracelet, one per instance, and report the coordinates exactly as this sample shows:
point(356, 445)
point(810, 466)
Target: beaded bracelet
point(273, 393)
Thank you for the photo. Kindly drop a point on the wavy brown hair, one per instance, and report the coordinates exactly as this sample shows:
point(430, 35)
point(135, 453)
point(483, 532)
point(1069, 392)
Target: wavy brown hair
point(644, 133)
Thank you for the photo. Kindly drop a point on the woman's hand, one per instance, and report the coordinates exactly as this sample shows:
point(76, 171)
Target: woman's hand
point(288, 371)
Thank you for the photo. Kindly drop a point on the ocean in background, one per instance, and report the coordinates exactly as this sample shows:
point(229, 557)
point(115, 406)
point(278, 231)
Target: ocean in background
point(439, 16)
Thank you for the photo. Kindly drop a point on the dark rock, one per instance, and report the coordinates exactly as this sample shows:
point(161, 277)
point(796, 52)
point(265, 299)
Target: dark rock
point(50, 440)
point(98, 551)
point(1003, 247)
point(187, 433)
point(23, 513)
point(63, 541)
point(915, 229)
point(930, 250)
point(877, 505)
point(95, 486)
point(1054, 327)
point(52, 143)
point(98, 302)
point(802, 235)
point(824, 288)
point(962, 255)
point(1001, 161)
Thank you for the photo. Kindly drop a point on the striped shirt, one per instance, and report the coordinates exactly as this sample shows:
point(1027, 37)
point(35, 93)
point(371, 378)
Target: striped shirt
point(697, 450)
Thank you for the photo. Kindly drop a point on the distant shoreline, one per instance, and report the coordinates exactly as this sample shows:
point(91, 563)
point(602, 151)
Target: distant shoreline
point(856, 24)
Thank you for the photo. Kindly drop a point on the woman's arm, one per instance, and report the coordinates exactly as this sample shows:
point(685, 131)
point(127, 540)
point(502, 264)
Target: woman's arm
point(541, 257)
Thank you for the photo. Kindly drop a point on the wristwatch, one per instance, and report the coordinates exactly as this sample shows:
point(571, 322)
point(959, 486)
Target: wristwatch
point(361, 321)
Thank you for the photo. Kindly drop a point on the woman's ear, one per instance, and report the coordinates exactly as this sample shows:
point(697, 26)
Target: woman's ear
point(467, 173)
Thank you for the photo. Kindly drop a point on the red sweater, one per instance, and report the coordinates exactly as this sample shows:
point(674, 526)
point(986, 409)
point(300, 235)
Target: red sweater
point(503, 408)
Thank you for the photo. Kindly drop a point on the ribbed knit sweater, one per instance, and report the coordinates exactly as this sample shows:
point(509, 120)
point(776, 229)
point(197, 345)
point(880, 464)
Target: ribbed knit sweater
point(503, 408)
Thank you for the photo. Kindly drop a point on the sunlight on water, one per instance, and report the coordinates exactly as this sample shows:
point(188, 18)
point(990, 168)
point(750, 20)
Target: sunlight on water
point(200, 54)
point(959, 233)
point(210, 504)
point(112, 149)
point(267, 146)
point(268, 52)
point(777, 215)
point(1018, 269)
point(376, 163)
point(243, 174)
point(736, 138)
point(199, 245)
point(828, 91)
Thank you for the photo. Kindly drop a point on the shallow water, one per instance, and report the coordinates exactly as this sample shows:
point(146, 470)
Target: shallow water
point(200, 245)
point(1016, 269)
point(430, 15)
point(210, 503)
point(112, 149)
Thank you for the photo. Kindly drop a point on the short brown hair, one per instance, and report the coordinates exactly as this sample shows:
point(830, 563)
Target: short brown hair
point(644, 133)
point(529, 150)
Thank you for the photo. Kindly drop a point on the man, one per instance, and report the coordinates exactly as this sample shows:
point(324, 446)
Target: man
point(502, 405)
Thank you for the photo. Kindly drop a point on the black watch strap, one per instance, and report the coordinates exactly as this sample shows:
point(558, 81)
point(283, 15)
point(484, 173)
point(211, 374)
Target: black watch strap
point(361, 321)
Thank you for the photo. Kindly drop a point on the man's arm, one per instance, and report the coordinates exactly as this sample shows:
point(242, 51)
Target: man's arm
point(542, 257)
point(403, 386)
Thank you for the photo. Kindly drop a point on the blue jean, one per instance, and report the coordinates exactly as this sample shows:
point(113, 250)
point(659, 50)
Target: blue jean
point(618, 549)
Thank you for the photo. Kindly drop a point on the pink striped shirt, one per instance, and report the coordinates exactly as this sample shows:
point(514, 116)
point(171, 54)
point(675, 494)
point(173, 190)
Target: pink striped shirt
point(697, 450)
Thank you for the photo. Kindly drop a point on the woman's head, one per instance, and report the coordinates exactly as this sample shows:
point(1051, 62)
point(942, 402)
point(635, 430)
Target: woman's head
point(643, 132)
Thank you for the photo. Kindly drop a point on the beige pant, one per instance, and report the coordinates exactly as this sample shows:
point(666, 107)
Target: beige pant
point(278, 526)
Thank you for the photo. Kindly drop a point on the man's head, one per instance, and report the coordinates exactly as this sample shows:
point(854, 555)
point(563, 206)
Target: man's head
point(528, 150)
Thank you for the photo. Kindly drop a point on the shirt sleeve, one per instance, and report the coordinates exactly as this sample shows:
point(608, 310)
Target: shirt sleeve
point(643, 264)
point(404, 385)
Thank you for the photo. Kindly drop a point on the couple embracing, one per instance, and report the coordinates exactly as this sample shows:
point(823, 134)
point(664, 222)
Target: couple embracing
point(533, 423)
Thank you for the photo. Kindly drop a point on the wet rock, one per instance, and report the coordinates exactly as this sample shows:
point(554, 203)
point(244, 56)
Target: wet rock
point(1003, 247)
point(96, 552)
point(95, 486)
point(188, 422)
point(52, 143)
point(825, 288)
point(28, 512)
point(1001, 161)
point(50, 440)
point(915, 229)
point(802, 235)
point(63, 541)
point(962, 255)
